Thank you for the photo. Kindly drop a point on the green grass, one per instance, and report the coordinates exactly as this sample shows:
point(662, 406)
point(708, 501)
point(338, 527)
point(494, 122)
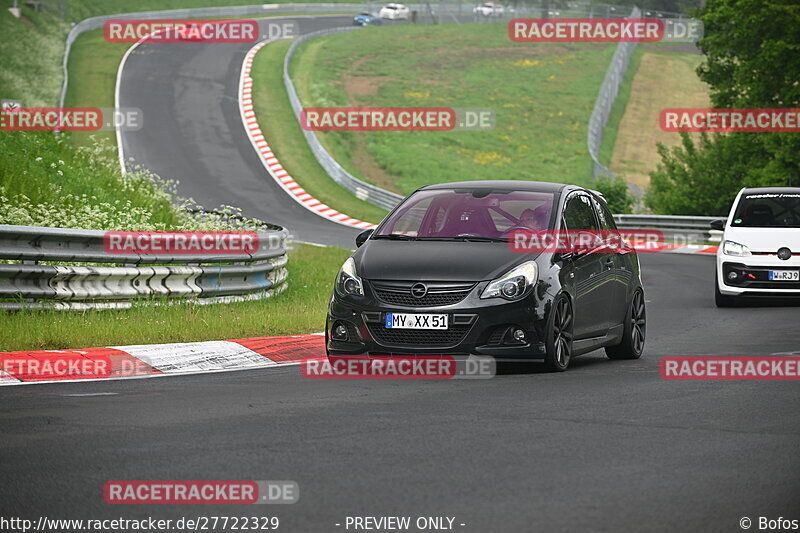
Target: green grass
point(285, 137)
point(73, 181)
point(49, 181)
point(618, 109)
point(81, 9)
point(542, 96)
point(31, 51)
point(93, 65)
point(661, 76)
point(52, 181)
point(46, 181)
point(299, 309)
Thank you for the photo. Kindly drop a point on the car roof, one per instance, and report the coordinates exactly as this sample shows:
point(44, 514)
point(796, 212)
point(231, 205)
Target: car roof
point(771, 190)
point(519, 185)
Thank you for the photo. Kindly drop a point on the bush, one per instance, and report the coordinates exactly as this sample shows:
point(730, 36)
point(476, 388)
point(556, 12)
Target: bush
point(616, 193)
point(47, 181)
point(702, 177)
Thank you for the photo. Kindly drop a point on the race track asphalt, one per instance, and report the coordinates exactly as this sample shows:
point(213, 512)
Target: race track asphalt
point(193, 133)
point(605, 446)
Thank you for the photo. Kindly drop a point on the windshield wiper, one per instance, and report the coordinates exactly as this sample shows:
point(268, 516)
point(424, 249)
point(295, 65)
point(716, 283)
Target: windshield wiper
point(473, 238)
point(395, 237)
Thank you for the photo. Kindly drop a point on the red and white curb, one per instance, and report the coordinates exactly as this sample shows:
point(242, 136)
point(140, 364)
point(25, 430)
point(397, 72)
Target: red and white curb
point(666, 248)
point(128, 362)
point(268, 159)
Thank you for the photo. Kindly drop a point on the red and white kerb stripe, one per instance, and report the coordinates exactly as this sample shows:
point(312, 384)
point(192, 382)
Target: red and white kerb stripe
point(271, 162)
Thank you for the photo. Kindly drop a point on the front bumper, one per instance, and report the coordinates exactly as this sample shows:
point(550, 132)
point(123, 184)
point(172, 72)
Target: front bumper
point(475, 327)
point(752, 276)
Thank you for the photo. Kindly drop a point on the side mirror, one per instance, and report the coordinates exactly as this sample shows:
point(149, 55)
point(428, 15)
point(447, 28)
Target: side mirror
point(718, 224)
point(362, 237)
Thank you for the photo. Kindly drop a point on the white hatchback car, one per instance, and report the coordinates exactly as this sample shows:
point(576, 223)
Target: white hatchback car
point(489, 9)
point(760, 251)
point(394, 11)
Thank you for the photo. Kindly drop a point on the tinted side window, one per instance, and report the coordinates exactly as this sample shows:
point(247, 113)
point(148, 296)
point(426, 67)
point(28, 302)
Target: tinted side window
point(604, 214)
point(579, 215)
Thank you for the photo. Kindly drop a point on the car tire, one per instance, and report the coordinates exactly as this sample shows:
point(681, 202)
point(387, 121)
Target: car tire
point(558, 343)
point(634, 331)
point(722, 300)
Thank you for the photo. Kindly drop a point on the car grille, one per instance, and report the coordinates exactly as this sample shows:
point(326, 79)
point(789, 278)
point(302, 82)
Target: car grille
point(761, 280)
point(439, 293)
point(418, 337)
point(496, 338)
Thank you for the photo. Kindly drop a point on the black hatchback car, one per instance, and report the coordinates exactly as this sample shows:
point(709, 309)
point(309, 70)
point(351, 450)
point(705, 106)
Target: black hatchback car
point(439, 276)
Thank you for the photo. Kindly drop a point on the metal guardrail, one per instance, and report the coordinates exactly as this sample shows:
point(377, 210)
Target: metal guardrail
point(95, 23)
point(441, 12)
point(689, 229)
point(361, 189)
point(597, 122)
point(664, 221)
point(605, 101)
point(38, 280)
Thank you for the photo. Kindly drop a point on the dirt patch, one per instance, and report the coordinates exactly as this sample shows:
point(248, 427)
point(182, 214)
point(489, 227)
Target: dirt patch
point(355, 87)
point(367, 166)
point(662, 81)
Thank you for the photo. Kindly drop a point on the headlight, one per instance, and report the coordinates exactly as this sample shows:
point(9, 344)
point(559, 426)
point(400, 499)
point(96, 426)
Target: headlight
point(347, 282)
point(734, 248)
point(514, 284)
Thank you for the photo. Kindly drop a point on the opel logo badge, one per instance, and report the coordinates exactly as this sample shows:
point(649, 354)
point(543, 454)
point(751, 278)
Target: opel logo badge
point(419, 290)
point(784, 254)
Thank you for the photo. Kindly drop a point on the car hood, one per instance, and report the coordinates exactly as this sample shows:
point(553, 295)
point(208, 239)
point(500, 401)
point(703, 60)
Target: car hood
point(765, 239)
point(435, 260)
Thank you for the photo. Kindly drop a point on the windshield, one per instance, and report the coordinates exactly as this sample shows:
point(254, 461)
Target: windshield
point(476, 213)
point(773, 210)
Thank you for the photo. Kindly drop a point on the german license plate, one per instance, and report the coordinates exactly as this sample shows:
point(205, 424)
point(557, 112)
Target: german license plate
point(414, 321)
point(784, 275)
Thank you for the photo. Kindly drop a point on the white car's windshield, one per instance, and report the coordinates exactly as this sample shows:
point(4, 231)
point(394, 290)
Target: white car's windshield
point(772, 210)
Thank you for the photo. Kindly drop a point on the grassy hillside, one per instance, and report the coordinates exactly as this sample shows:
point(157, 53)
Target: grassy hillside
point(77, 10)
point(31, 49)
point(53, 181)
point(93, 65)
point(75, 181)
point(542, 96)
point(661, 76)
point(286, 139)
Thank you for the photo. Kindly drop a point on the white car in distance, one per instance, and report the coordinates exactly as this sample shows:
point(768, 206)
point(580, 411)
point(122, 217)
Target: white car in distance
point(759, 256)
point(489, 9)
point(394, 11)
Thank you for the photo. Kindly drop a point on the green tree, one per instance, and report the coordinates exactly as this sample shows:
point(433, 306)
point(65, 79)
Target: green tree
point(752, 50)
point(615, 191)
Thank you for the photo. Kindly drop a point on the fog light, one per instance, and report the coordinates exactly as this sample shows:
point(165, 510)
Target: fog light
point(732, 275)
point(519, 335)
point(339, 332)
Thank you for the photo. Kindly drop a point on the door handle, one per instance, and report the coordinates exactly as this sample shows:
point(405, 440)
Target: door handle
point(609, 263)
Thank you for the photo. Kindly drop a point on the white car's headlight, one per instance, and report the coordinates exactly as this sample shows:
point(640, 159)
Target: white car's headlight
point(736, 249)
point(514, 284)
point(347, 281)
